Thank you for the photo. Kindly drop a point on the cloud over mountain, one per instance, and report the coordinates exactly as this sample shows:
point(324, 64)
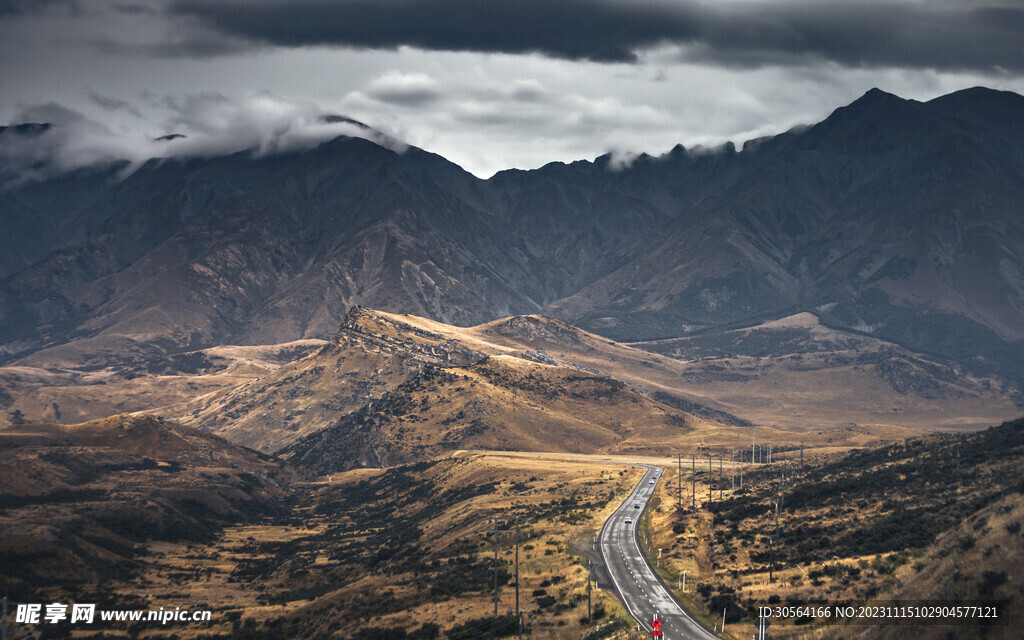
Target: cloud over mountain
point(204, 125)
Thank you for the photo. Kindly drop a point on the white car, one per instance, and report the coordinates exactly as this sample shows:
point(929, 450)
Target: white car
point(629, 520)
point(652, 481)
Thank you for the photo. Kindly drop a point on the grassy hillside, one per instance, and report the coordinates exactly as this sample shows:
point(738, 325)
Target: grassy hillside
point(499, 403)
point(406, 552)
point(72, 392)
point(795, 372)
point(792, 374)
point(872, 523)
point(79, 503)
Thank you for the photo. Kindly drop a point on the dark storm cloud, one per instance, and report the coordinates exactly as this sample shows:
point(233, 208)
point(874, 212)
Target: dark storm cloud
point(196, 45)
point(135, 8)
point(34, 7)
point(575, 29)
point(746, 34)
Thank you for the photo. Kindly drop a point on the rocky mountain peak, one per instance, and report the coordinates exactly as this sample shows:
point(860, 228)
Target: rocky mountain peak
point(384, 334)
point(532, 328)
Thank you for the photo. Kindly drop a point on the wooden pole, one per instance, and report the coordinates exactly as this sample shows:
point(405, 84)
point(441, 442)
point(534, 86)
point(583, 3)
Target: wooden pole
point(589, 618)
point(495, 567)
point(693, 480)
point(519, 618)
point(721, 480)
point(711, 495)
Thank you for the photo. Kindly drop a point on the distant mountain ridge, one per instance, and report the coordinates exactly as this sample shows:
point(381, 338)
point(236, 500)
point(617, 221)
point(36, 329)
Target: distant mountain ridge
point(891, 217)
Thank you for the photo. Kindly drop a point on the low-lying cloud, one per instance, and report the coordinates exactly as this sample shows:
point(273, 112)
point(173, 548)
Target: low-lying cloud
point(206, 125)
point(405, 89)
point(978, 36)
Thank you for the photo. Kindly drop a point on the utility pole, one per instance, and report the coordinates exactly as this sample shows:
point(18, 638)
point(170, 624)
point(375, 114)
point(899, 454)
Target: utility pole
point(679, 469)
point(711, 495)
point(771, 555)
point(693, 480)
point(519, 617)
point(732, 465)
point(776, 520)
point(771, 545)
point(721, 481)
point(589, 618)
point(753, 441)
point(495, 567)
point(782, 500)
point(801, 456)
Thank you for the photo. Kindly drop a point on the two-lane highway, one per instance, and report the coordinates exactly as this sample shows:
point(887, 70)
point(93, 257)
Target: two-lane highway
point(634, 580)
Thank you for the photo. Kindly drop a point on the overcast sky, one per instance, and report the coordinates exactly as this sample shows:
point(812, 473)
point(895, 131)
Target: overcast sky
point(489, 84)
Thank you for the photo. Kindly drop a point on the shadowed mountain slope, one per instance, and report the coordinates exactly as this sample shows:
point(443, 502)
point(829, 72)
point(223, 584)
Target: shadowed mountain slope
point(80, 502)
point(891, 217)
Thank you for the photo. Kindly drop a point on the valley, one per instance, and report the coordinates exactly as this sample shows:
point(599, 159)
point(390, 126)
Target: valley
point(350, 391)
point(140, 513)
point(360, 553)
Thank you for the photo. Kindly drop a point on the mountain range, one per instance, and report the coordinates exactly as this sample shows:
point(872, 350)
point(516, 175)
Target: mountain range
point(892, 218)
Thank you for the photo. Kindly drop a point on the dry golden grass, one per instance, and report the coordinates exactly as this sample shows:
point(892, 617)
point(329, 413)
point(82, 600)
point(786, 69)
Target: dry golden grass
point(550, 554)
point(806, 392)
point(925, 483)
point(507, 403)
point(252, 400)
point(65, 392)
point(840, 379)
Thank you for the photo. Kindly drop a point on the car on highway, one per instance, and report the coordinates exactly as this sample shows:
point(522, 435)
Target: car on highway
point(629, 520)
point(636, 506)
point(652, 481)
